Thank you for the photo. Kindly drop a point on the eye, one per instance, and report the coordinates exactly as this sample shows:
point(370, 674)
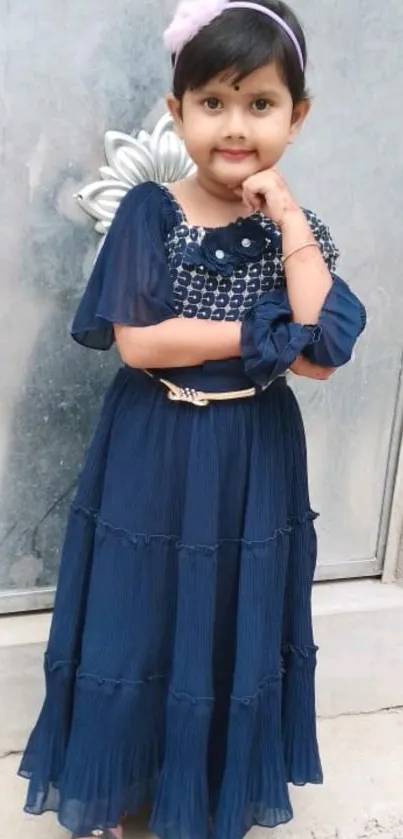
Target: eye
point(212, 104)
point(261, 105)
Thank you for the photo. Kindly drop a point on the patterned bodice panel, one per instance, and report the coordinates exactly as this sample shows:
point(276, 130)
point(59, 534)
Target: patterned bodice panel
point(199, 291)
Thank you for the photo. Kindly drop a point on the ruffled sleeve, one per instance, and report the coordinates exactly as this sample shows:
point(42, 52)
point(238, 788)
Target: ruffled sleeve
point(341, 322)
point(130, 283)
point(271, 341)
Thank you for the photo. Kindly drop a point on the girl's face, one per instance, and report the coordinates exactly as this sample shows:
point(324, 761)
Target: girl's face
point(234, 131)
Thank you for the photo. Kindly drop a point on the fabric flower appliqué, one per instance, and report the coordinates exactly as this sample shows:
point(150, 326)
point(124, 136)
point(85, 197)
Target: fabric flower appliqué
point(223, 250)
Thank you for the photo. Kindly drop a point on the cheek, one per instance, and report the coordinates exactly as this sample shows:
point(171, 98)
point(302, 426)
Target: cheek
point(199, 135)
point(273, 135)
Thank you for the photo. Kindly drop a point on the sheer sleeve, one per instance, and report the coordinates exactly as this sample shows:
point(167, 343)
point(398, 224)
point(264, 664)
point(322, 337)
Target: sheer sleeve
point(130, 283)
point(271, 341)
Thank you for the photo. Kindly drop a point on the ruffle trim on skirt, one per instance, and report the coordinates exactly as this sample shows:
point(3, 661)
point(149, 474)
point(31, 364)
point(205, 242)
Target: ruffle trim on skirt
point(136, 539)
point(103, 747)
point(300, 746)
point(90, 770)
point(83, 763)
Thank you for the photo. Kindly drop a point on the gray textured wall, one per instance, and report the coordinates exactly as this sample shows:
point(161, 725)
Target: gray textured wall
point(68, 74)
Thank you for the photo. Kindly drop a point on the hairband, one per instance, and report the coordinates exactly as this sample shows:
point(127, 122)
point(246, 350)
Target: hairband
point(192, 15)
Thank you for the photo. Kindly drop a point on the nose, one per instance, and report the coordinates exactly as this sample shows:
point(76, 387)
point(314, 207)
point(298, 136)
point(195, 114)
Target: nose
point(235, 126)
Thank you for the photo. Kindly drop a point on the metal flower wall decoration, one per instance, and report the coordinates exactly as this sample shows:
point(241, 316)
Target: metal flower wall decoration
point(160, 156)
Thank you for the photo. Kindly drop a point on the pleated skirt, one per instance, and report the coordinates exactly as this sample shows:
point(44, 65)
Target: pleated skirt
point(180, 669)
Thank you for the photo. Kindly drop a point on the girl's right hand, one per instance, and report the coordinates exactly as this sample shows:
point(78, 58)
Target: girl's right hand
point(303, 367)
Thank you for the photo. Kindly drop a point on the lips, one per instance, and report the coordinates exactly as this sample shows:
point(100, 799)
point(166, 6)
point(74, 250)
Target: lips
point(234, 154)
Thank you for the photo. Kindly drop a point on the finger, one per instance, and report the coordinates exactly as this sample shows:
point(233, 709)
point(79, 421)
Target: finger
point(323, 374)
point(302, 365)
point(255, 202)
point(252, 206)
point(308, 370)
point(254, 199)
point(249, 207)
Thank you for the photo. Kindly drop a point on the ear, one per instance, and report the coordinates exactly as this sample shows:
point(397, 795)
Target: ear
point(299, 116)
point(175, 109)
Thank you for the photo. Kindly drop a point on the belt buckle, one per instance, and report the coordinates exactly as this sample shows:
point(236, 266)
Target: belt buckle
point(189, 395)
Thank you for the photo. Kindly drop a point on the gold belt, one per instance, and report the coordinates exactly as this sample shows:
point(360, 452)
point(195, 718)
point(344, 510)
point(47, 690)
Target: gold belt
point(201, 398)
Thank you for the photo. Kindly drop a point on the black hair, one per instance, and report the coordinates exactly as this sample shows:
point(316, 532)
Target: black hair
point(239, 42)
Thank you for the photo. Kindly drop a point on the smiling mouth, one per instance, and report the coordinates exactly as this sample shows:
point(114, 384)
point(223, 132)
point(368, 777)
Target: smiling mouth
point(234, 154)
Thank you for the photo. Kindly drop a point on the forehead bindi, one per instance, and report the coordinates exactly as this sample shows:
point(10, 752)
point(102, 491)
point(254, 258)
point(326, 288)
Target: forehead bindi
point(266, 81)
point(266, 78)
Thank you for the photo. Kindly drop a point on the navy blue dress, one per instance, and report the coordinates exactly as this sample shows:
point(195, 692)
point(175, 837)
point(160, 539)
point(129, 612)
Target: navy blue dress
point(180, 665)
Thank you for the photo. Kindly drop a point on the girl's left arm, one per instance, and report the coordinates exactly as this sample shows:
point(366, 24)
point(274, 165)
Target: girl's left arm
point(317, 315)
point(316, 294)
point(307, 275)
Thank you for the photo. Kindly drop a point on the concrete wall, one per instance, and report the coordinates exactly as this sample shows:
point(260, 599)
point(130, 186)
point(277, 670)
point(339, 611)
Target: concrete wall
point(68, 74)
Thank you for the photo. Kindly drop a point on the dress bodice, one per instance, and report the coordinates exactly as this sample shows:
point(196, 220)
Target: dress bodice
point(154, 265)
point(218, 274)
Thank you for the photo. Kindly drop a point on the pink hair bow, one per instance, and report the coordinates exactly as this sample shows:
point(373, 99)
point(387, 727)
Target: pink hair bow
point(190, 17)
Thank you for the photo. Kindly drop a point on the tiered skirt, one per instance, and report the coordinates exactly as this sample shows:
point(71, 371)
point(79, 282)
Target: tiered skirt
point(181, 662)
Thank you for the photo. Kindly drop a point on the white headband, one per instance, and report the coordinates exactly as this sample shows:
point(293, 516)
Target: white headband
point(192, 15)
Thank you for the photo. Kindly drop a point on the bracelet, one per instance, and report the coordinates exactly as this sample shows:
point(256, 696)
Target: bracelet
point(300, 248)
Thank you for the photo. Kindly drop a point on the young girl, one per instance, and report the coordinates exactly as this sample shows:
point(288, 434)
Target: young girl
point(181, 660)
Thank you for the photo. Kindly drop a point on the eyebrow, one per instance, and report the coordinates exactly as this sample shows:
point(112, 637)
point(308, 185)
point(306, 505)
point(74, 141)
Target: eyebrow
point(260, 94)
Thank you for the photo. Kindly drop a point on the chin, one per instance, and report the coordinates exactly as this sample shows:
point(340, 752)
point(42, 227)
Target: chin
point(235, 174)
point(234, 177)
